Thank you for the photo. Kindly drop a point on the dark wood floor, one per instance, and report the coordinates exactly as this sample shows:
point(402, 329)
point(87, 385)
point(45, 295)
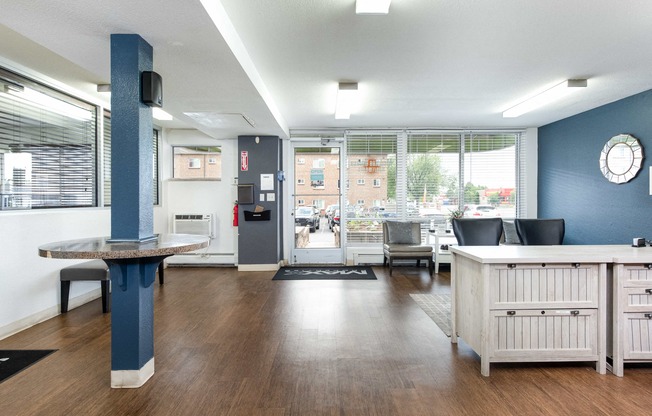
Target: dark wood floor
point(229, 343)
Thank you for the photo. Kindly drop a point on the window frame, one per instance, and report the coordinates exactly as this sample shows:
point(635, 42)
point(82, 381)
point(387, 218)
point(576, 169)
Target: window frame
point(55, 129)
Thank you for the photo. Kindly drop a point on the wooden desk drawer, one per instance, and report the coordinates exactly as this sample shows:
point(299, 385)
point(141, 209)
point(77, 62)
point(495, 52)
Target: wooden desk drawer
point(545, 334)
point(638, 299)
point(636, 275)
point(544, 286)
point(637, 342)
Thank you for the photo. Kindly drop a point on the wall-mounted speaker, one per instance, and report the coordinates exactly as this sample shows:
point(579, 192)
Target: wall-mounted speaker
point(151, 89)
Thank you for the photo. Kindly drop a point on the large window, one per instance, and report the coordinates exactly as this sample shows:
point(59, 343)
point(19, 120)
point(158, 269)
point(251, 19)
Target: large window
point(371, 159)
point(48, 153)
point(490, 175)
point(432, 175)
point(424, 175)
point(107, 162)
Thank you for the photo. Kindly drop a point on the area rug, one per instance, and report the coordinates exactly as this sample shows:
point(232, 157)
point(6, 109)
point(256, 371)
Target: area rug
point(325, 273)
point(437, 307)
point(13, 362)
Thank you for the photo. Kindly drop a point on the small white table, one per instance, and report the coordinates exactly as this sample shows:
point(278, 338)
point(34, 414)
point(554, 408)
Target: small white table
point(442, 239)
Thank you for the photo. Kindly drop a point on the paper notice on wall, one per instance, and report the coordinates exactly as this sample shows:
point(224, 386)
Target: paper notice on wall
point(266, 181)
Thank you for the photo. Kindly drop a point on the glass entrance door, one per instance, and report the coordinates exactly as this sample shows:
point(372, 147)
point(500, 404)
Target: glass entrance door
point(315, 204)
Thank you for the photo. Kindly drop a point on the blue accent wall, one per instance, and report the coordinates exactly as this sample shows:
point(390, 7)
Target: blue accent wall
point(571, 185)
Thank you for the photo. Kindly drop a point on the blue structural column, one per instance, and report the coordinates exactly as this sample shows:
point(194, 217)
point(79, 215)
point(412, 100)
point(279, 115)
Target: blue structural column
point(131, 141)
point(132, 316)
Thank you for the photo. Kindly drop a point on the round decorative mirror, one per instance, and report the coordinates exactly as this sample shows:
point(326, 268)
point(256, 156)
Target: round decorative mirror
point(621, 158)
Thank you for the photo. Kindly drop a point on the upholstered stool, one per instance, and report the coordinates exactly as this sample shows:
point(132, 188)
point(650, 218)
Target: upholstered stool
point(90, 270)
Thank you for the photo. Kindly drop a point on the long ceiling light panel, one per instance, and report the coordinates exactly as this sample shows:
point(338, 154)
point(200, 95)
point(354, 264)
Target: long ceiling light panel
point(347, 99)
point(548, 96)
point(372, 6)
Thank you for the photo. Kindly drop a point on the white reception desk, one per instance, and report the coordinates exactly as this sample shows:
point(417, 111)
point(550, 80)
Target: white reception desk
point(553, 303)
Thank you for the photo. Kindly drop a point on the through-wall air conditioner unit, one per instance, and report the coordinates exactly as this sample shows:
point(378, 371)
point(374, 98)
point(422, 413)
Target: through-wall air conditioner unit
point(198, 224)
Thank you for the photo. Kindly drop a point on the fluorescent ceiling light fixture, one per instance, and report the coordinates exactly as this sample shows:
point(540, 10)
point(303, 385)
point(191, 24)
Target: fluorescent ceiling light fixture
point(548, 96)
point(159, 114)
point(347, 99)
point(372, 6)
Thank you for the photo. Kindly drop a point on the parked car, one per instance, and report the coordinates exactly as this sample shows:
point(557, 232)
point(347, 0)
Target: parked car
point(375, 212)
point(307, 217)
point(330, 210)
point(334, 220)
point(474, 211)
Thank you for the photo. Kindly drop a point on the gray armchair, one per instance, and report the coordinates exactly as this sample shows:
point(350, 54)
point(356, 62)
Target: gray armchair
point(402, 240)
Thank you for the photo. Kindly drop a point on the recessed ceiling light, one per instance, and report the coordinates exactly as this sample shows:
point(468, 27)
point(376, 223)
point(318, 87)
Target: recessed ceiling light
point(372, 6)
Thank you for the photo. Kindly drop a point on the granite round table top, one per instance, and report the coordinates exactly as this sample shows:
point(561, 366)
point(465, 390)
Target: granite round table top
point(102, 248)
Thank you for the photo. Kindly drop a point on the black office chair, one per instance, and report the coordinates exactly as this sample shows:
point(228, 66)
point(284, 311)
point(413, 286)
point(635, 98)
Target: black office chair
point(478, 231)
point(540, 232)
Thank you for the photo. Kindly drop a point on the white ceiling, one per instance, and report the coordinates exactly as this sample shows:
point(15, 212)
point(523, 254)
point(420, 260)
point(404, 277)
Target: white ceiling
point(428, 64)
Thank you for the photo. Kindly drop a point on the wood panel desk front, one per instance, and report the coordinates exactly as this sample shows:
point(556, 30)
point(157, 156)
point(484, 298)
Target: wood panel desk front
point(541, 303)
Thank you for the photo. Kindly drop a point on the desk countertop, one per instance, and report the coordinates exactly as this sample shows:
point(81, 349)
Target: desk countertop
point(556, 254)
point(101, 248)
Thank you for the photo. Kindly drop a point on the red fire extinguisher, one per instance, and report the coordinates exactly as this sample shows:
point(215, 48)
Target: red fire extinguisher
point(235, 214)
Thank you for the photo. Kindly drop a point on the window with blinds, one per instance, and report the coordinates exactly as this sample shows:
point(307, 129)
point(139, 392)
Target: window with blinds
point(425, 175)
point(490, 171)
point(371, 167)
point(432, 176)
point(48, 154)
point(106, 168)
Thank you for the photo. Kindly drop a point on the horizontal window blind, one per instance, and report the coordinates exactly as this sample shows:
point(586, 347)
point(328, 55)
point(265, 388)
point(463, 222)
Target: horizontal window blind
point(106, 158)
point(371, 184)
point(432, 176)
point(47, 147)
point(521, 177)
point(490, 166)
point(106, 164)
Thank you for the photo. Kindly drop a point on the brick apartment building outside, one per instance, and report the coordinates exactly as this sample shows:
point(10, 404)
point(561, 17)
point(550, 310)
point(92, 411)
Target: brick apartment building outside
point(317, 180)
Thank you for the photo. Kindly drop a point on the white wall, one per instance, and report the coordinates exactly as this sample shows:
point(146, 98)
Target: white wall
point(29, 284)
point(203, 197)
